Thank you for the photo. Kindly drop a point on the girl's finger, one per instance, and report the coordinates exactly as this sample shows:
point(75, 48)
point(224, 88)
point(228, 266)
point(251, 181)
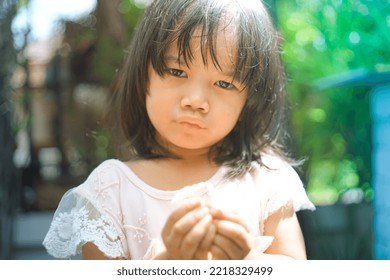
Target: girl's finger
point(235, 233)
point(174, 234)
point(179, 213)
point(187, 223)
point(229, 247)
point(229, 216)
point(203, 251)
point(193, 240)
point(218, 253)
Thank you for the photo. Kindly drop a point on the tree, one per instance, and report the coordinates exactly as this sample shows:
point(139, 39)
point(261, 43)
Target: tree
point(8, 178)
point(332, 128)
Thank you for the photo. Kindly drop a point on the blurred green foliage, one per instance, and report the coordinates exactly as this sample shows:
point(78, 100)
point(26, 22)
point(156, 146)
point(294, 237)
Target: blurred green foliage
point(332, 127)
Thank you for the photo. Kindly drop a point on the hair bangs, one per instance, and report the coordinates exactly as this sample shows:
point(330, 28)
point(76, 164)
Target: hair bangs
point(194, 24)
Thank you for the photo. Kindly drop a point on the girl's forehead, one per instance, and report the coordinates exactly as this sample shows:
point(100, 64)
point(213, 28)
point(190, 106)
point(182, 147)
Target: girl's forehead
point(222, 48)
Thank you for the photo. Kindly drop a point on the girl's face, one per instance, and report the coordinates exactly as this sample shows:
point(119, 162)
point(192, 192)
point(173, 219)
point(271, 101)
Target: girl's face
point(194, 106)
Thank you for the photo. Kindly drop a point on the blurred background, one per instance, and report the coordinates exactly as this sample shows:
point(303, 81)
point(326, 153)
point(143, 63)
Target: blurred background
point(58, 59)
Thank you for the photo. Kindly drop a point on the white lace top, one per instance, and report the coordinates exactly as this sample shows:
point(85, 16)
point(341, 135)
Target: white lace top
point(123, 216)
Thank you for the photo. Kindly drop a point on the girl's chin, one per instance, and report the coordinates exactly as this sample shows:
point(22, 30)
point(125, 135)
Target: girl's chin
point(188, 148)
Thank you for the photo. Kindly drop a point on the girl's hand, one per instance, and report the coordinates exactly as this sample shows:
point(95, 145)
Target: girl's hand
point(188, 232)
point(232, 240)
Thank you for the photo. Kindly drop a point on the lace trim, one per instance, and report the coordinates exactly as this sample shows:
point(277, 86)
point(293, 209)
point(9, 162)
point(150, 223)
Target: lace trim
point(69, 231)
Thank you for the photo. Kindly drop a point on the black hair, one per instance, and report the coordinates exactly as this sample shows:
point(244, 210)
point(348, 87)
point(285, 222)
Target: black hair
point(258, 67)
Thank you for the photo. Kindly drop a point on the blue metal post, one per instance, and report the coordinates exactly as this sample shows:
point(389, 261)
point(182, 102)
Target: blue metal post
point(381, 169)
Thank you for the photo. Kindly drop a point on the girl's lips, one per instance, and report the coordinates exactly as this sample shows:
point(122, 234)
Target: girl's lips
point(191, 122)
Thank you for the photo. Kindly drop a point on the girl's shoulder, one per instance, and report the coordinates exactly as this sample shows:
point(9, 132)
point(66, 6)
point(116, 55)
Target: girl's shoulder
point(107, 176)
point(279, 184)
point(110, 169)
point(114, 164)
point(274, 166)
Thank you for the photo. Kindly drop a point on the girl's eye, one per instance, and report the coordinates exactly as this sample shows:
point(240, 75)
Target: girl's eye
point(177, 73)
point(225, 85)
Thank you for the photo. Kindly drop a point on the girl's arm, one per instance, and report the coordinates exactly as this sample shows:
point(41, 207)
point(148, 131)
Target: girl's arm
point(288, 240)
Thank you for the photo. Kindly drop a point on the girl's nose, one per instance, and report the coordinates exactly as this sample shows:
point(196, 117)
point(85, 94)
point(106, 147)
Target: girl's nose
point(196, 99)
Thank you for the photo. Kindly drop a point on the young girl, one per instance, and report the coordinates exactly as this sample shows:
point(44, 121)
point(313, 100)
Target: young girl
point(201, 99)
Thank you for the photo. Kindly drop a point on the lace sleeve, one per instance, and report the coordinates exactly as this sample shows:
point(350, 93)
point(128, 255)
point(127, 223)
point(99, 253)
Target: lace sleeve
point(76, 222)
point(282, 186)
